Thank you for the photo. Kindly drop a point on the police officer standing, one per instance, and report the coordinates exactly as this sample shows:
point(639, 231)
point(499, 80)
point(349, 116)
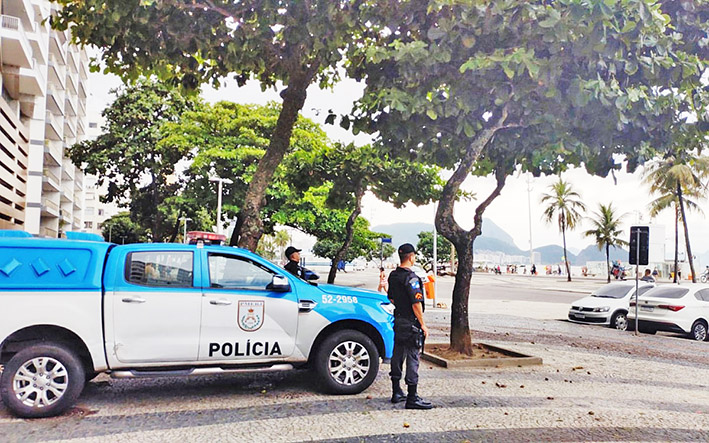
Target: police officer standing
point(293, 265)
point(410, 331)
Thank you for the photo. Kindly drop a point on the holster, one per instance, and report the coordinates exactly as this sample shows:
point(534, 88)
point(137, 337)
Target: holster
point(408, 332)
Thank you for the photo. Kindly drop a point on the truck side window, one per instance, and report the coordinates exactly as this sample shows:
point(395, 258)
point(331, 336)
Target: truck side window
point(160, 268)
point(230, 272)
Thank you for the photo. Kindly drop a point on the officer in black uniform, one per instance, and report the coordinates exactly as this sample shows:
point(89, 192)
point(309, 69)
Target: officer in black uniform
point(406, 292)
point(293, 265)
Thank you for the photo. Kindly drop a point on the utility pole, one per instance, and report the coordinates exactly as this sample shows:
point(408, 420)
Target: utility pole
point(219, 181)
point(184, 227)
point(529, 205)
point(435, 256)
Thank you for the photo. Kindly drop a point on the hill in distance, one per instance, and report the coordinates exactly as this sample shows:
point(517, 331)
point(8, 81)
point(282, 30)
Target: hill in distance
point(495, 239)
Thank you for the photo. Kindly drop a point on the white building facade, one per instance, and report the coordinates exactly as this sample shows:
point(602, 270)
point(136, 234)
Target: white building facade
point(44, 89)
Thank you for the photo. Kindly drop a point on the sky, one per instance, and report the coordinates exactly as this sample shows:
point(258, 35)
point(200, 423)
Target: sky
point(511, 210)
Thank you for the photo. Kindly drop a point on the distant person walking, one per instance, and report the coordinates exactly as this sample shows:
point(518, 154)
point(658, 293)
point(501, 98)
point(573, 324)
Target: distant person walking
point(648, 276)
point(534, 269)
point(383, 282)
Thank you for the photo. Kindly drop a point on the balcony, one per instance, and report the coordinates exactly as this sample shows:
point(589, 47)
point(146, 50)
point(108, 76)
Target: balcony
point(68, 172)
point(27, 104)
point(53, 130)
point(56, 47)
point(50, 182)
point(69, 128)
point(73, 59)
point(55, 100)
point(57, 72)
point(49, 208)
point(80, 129)
point(70, 106)
point(39, 39)
point(16, 47)
point(71, 82)
point(19, 8)
point(82, 107)
point(18, 81)
point(52, 153)
point(84, 67)
point(82, 89)
point(48, 232)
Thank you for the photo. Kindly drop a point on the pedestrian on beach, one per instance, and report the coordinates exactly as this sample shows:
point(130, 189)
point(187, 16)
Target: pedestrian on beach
point(383, 283)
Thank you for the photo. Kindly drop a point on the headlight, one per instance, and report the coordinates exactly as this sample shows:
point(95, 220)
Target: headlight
point(388, 307)
point(603, 309)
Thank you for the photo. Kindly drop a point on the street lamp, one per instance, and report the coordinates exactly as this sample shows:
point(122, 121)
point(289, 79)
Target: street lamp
point(184, 221)
point(220, 180)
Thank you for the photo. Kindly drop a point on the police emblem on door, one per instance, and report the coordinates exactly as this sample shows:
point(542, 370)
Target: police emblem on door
point(250, 315)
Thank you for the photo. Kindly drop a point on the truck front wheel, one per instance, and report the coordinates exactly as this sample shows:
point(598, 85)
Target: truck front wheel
point(347, 362)
point(42, 381)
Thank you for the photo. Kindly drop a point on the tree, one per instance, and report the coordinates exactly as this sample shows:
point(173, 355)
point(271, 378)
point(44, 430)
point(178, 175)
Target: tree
point(425, 247)
point(564, 204)
point(606, 231)
point(354, 170)
point(229, 140)
point(130, 157)
point(121, 229)
point(281, 239)
point(190, 42)
point(679, 175)
point(488, 88)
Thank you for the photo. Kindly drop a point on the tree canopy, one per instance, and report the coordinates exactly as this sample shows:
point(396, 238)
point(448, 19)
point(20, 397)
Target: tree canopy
point(190, 43)
point(536, 85)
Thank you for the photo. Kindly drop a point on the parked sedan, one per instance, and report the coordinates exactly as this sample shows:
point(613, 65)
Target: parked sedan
point(674, 308)
point(607, 305)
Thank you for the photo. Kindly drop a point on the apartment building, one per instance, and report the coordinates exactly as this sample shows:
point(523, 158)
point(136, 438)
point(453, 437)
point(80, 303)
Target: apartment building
point(43, 112)
point(96, 212)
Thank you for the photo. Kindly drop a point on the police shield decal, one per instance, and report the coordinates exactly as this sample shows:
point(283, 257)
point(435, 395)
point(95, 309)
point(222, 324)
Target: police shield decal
point(250, 315)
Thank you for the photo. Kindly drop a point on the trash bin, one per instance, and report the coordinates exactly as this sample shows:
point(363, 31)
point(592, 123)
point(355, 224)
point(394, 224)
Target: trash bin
point(429, 287)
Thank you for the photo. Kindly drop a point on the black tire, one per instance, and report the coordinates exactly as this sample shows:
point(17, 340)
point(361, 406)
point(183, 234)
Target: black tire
point(619, 321)
point(699, 331)
point(646, 329)
point(348, 381)
point(56, 356)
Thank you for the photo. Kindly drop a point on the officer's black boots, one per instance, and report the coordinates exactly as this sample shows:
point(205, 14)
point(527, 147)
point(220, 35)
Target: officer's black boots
point(413, 401)
point(398, 394)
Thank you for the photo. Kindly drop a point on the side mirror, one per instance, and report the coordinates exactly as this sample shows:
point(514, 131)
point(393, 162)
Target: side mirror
point(279, 283)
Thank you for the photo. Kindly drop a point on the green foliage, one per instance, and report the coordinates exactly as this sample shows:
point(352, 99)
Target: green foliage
point(425, 247)
point(130, 157)
point(228, 140)
point(122, 230)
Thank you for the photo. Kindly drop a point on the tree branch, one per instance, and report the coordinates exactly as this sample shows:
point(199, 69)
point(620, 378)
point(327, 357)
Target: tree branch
point(500, 177)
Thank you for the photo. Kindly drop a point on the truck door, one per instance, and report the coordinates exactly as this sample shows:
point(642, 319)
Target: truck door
point(156, 308)
point(243, 320)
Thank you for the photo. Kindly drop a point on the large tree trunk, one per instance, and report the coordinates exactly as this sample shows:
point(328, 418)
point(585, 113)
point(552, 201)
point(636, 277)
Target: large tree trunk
point(686, 234)
point(563, 236)
point(175, 230)
point(676, 242)
point(349, 235)
point(249, 227)
point(608, 265)
point(460, 325)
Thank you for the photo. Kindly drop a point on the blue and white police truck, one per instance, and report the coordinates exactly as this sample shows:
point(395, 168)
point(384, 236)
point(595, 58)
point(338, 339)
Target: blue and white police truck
point(70, 310)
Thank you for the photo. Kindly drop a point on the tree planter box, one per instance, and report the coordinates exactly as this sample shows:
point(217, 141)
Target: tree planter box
point(500, 357)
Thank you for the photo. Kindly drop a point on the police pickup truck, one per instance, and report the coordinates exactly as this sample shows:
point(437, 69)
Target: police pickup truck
point(70, 310)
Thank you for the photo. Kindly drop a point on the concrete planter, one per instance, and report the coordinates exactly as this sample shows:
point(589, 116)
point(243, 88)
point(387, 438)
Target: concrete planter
point(509, 358)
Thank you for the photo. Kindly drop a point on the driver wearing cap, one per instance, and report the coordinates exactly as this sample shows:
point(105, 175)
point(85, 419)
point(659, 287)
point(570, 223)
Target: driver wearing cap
point(293, 265)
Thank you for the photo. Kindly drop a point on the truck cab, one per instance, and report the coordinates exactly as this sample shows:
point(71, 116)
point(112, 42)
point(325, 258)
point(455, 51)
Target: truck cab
point(172, 309)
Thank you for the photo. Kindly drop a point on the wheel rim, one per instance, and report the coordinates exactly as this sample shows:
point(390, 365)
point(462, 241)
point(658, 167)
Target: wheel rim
point(621, 322)
point(700, 332)
point(349, 363)
point(40, 382)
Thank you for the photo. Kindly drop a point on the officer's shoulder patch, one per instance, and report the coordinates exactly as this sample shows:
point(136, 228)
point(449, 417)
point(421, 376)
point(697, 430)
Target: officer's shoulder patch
point(415, 283)
point(419, 296)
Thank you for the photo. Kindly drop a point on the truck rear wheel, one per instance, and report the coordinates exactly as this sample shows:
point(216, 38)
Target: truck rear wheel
point(42, 381)
point(347, 362)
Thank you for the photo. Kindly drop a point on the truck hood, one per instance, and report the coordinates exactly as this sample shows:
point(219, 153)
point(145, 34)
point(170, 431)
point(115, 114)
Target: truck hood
point(345, 290)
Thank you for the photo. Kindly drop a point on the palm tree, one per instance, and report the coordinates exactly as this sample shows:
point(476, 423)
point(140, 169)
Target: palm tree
point(678, 177)
point(281, 240)
point(565, 204)
point(606, 230)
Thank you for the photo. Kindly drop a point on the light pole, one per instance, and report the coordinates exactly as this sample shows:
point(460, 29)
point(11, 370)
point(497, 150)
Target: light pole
point(435, 255)
point(529, 205)
point(184, 226)
point(219, 181)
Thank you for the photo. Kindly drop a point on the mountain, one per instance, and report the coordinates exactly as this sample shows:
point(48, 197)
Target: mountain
point(495, 239)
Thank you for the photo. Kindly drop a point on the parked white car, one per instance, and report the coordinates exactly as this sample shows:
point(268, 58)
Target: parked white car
point(675, 308)
point(607, 305)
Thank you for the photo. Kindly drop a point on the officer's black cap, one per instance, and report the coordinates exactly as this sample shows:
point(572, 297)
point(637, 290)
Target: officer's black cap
point(406, 248)
point(290, 250)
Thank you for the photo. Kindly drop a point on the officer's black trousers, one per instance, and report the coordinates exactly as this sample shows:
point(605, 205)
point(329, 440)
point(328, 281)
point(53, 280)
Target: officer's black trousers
point(411, 355)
